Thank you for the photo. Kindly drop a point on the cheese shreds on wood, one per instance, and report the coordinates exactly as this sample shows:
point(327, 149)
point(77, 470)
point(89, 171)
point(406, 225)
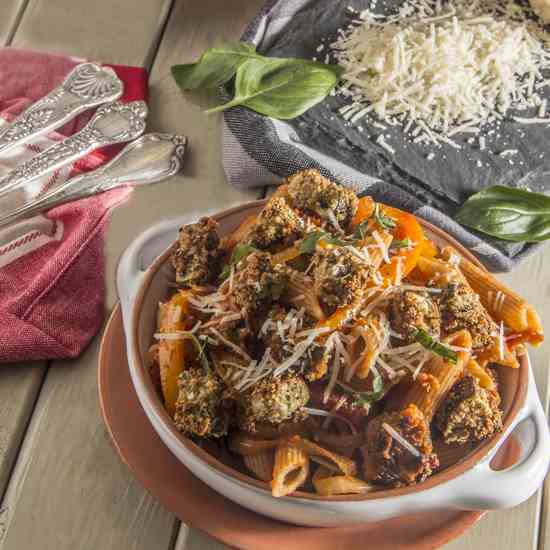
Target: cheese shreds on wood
point(447, 74)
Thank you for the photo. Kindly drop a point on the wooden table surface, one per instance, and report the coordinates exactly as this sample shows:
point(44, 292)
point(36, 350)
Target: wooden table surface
point(62, 484)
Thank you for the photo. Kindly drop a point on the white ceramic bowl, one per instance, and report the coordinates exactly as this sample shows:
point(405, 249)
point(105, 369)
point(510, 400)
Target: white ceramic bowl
point(471, 484)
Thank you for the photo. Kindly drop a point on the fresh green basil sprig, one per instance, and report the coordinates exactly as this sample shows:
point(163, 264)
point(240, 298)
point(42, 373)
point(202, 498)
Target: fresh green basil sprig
point(309, 244)
point(276, 87)
point(508, 213)
point(434, 346)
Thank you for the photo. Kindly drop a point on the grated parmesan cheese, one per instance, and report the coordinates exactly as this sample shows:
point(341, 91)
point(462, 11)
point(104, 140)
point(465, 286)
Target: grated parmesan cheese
point(447, 72)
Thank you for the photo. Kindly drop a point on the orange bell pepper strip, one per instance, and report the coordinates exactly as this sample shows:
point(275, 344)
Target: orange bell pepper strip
point(173, 317)
point(337, 319)
point(429, 249)
point(407, 227)
point(365, 210)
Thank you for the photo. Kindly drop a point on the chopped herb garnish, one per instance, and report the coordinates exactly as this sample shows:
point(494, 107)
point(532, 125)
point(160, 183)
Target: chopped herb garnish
point(239, 252)
point(403, 243)
point(429, 343)
point(186, 335)
point(309, 243)
point(362, 230)
point(382, 219)
point(367, 397)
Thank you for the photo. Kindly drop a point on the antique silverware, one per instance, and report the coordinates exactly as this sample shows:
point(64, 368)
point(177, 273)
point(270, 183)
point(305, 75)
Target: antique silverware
point(149, 159)
point(87, 85)
point(113, 123)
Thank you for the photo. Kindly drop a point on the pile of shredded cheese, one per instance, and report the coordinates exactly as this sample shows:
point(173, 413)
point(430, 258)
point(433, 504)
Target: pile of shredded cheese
point(440, 70)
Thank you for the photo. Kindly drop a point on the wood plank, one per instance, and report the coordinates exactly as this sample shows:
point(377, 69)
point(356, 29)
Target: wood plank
point(117, 32)
point(19, 386)
point(11, 12)
point(19, 383)
point(68, 473)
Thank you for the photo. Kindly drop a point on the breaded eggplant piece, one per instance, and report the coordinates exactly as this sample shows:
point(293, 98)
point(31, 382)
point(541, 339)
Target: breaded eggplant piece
point(200, 407)
point(311, 192)
point(412, 311)
point(469, 413)
point(461, 308)
point(258, 283)
point(273, 401)
point(312, 365)
point(197, 258)
point(340, 276)
point(387, 461)
point(277, 226)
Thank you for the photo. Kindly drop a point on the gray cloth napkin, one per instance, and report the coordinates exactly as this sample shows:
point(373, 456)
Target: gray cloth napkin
point(259, 151)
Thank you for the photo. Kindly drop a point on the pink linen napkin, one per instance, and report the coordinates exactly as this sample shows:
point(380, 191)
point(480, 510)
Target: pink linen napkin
point(52, 267)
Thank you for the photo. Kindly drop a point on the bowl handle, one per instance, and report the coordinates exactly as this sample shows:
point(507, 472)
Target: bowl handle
point(139, 256)
point(483, 488)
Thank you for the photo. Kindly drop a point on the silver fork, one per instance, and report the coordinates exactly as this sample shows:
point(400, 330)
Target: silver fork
point(86, 86)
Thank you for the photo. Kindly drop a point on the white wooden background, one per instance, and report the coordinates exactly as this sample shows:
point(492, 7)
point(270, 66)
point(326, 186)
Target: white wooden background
point(61, 482)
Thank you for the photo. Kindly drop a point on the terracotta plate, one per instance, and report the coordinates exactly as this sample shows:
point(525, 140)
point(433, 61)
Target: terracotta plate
point(199, 506)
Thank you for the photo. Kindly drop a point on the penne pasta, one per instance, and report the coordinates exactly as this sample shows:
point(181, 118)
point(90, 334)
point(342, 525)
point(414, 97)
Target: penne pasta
point(327, 484)
point(261, 464)
point(290, 470)
point(286, 255)
point(372, 338)
point(501, 302)
point(438, 377)
point(339, 442)
point(244, 444)
point(437, 272)
point(485, 379)
point(498, 353)
point(321, 455)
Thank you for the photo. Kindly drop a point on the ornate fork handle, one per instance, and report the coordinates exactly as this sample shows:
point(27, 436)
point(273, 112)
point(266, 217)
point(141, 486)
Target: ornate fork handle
point(113, 123)
point(151, 158)
point(87, 85)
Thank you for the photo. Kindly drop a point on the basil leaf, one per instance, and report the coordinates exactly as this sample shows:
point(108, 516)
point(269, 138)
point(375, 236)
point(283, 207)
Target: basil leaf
point(309, 243)
point(367, 397)
point(382, 219)
point(429, 343)
point(281, 88)
point(508, 213)
point(216, 66)
point(239, 252)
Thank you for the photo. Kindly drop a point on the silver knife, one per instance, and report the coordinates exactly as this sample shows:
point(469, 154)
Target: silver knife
point(149, 159)
point(87, 85)
point(113, 123)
